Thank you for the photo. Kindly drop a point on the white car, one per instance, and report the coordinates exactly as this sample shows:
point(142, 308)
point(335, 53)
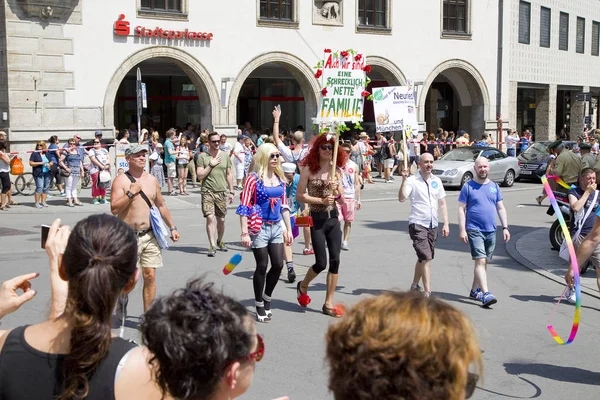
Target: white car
point(455, 168)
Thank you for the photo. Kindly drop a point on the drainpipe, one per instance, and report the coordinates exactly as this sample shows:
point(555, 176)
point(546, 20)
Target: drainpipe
point(499, 69)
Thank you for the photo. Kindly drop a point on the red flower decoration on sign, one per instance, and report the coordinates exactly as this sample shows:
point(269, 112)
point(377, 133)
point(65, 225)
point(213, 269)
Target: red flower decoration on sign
point(358, 57)
point(324, 91)
point(367, 69)
point(318, 74)
point(344, 53)
point(327, 50)
point(365, 93)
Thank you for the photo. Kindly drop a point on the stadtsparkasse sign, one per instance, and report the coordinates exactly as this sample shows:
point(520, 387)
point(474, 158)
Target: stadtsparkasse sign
point(123, 28)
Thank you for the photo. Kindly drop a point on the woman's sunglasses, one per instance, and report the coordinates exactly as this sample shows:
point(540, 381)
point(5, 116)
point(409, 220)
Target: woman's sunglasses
point(274, 156)
point(96, 142)
point(326, 147)
point(259, 353)
point(471, 384)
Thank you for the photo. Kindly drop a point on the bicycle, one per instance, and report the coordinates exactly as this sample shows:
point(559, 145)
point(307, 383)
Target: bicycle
point(24, 184)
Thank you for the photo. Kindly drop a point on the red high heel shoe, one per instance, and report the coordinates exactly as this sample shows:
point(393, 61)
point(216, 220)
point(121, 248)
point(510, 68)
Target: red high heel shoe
point(303, 298)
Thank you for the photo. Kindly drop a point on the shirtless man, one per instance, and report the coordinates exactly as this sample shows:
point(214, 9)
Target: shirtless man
point(129, 206)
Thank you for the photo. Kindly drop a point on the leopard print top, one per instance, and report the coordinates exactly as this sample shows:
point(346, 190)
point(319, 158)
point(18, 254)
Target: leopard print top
point(319, 188)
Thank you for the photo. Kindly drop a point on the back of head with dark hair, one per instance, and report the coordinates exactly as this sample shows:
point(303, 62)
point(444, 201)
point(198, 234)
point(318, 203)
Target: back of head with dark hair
point(99, 260)
point(2, 145)
point(53, 139)
point(194, 335)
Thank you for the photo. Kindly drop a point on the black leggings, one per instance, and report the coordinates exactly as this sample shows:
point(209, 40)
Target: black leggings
point(275, 252)
point(326, 235)
point(5, 180)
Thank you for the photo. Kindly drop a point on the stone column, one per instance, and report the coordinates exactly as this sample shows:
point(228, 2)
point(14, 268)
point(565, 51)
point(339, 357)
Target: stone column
point(545, 114)
point(512, 105)
point(577, 113)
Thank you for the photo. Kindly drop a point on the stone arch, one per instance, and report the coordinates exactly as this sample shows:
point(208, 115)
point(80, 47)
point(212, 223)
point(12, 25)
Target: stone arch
point(198, 74)
point(389, 70)
point(470, 87)
point(295, 66)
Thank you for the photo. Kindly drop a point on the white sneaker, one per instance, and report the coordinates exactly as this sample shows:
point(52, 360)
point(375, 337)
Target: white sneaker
point(38, 205)
point(345, 246)
point(571, 295)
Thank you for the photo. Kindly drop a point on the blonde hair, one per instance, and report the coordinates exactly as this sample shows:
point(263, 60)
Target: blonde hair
point(262, 159)
point(401, 345)
point(155, 136)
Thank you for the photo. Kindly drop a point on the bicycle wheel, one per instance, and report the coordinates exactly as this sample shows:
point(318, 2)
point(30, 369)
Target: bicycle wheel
point(25, 184)
point(86, 181)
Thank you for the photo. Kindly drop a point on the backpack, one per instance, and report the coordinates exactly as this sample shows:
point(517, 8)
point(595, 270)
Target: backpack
point(384, 151)
point(16, 166)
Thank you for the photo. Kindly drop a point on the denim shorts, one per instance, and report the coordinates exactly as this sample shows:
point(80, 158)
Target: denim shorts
point(42, 182)
point(482, 244)
point(269, 233)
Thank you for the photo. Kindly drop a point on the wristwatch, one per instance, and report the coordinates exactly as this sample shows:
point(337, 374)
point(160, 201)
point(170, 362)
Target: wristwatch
point(505, 227)
point(173, 229)
point(130, 195)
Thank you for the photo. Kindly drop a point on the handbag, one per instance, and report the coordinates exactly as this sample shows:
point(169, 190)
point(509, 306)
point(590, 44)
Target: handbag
point(64, 173)
point(564, 249)
point(156, 221)
point(104, 180)
point(255, 219)
point(304, 221)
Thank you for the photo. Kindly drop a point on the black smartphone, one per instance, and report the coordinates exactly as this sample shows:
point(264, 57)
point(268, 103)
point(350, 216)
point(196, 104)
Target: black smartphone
point(45, 230)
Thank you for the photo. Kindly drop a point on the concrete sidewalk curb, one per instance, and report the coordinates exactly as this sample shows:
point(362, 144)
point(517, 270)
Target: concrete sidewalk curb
point(511, 249)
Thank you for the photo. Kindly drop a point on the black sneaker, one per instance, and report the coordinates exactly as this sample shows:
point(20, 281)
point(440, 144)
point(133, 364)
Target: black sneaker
point(121, 310)
point(221, 246)
point(212, 252)
point(291, 275)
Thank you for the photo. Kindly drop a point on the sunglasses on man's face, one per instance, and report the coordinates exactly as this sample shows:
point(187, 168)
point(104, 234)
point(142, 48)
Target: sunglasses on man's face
point(327, 147)
point(275, 156)
point(215, 141)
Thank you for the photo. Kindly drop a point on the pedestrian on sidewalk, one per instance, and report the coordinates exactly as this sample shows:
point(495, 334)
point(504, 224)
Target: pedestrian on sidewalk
point(214, 170)
point(426, 195)
point(132, 196)
point(351, 186)
point(72, 162)
point(183, 159)
point(265, 188)
point(170, 159)
point(478, 203)
point(40, 168)
point(4, 177)
point(99, 161)
point(584, 201)
point(54, 156)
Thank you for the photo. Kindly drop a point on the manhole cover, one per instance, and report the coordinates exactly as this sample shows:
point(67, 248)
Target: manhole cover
point(14, 232)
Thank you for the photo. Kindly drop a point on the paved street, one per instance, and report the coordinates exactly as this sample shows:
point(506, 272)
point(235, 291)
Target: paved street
point(521, 359)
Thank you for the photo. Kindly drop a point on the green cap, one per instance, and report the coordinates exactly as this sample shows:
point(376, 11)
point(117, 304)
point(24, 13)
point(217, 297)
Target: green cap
point(135, 148)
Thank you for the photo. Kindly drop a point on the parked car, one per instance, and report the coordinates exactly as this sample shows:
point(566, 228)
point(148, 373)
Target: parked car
point(456, 167)
point(534, 160)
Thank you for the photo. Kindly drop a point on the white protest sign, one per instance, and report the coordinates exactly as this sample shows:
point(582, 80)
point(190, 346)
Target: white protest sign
point(343, 82)
point(395, 109)
point(120, 161)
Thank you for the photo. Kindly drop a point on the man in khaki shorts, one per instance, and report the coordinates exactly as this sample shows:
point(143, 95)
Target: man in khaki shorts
point(214, 169)
point(129, 206)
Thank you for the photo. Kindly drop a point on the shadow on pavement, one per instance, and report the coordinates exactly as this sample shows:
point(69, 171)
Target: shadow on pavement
point(281, 305)
point(538, 391)
point(456, 298)
point(555, 372)
point(542, 298)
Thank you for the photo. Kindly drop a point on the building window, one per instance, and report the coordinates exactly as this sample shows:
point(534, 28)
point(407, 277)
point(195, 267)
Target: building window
point(372, 13)
point(454, 16)
point(276, 10)
point(162, 5)
point(524, 21)
point(563, 32)
point(545, 25)
point(580, 38)
point(595, 38)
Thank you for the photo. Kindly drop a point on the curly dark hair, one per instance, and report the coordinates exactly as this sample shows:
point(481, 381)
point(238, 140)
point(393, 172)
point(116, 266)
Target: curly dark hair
point(98, 268)
point(401, 346)
point(194, 334)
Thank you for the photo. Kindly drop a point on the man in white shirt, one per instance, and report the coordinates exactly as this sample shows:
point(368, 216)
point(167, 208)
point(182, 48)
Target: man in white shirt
point(426, 194)
point(239, 155)
point(511, 143)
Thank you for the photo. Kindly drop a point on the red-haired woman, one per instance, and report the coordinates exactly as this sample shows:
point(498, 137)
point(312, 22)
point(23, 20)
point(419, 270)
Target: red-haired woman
point(321, 191)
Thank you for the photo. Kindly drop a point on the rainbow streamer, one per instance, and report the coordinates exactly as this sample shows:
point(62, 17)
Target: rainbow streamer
point(565, 230)
point(560, 182)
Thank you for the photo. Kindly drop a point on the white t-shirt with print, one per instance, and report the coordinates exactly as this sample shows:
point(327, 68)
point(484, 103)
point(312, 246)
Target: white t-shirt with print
point(348, 181)
point(424, 197)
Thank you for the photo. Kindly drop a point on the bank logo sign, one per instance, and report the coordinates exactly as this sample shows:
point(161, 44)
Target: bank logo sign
point(123, 28)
